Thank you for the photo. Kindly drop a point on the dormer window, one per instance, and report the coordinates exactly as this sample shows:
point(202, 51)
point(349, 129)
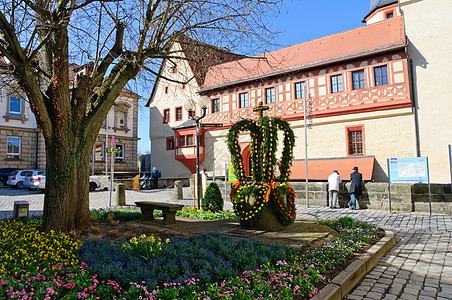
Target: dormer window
point(389, 15)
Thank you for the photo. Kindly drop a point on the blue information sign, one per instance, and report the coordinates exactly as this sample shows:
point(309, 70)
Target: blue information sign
point(408, 169)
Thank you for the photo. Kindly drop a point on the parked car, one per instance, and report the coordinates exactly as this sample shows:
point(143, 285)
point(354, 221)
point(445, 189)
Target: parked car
point(93, 183)
point(16, 178)
point(32, 180)
point(4, 173)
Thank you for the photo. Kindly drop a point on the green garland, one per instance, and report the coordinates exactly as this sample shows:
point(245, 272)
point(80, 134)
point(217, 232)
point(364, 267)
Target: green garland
point(250, 199)
point(287, 153)
point(249, 203)
point(282, 203)
point(255, 153)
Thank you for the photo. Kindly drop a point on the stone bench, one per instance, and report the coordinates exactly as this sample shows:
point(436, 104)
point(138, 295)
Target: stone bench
point(169, 211)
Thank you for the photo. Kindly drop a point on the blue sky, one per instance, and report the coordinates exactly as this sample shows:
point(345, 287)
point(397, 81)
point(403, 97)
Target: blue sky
point(301, 21)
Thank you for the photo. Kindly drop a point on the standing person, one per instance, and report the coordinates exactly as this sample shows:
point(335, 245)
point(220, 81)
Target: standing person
point(356, 187)
point(333, 187)
point(155, 177)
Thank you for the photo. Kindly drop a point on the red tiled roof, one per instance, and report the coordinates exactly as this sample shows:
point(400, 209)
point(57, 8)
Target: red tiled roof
point(360, 41)
point(320, 169)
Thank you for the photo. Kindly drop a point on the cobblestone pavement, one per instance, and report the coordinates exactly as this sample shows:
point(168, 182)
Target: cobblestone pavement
point(97, 199)
point(419, 266)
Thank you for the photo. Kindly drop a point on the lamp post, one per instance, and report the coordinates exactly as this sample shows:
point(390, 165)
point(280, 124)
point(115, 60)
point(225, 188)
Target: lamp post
point(190, 106)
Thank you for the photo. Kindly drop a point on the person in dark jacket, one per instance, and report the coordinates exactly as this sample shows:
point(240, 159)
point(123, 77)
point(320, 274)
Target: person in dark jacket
point(356, 187)
point(155, 177)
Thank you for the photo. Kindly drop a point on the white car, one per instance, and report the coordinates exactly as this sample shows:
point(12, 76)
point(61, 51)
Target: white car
point(16, 179)
point(33, 180)
point(93, 183)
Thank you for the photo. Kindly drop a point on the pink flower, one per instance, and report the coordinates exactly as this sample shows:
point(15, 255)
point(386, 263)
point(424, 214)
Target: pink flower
point(70, 285)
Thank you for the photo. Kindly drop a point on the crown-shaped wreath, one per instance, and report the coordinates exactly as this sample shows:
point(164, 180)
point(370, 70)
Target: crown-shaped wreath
point(250, 198)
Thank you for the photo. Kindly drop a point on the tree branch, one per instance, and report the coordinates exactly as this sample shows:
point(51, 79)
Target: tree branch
point(38, 8)
point(16, 53)
point(114, 53)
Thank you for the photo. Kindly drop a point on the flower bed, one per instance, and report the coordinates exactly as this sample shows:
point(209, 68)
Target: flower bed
point(208, 266)
point(127, 214)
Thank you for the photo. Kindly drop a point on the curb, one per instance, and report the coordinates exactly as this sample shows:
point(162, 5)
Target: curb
point(345, 281)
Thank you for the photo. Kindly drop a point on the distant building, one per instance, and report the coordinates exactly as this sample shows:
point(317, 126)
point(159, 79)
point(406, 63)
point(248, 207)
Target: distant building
point(372, 93)
point(22, 145)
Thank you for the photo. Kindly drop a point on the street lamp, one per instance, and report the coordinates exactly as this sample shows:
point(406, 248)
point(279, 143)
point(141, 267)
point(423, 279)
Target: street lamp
point(190, 106)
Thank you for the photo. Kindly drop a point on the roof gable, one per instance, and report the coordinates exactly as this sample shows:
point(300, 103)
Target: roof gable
point(199, 57)
point(202, 56)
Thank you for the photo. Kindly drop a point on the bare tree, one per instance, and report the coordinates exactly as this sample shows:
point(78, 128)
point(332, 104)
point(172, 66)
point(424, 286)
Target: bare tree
point(120, 40)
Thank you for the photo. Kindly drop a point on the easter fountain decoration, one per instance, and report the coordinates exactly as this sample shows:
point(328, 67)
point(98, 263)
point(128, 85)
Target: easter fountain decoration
point(265, 202)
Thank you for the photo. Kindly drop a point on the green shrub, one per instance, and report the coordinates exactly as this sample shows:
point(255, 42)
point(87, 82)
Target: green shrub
point(123, 214)
point(212, 200)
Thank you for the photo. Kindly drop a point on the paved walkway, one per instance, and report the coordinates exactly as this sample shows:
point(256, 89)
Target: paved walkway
point(419, 266)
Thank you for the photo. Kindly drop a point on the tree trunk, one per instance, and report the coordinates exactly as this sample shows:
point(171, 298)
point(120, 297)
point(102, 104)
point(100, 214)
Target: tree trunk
point(66, 203)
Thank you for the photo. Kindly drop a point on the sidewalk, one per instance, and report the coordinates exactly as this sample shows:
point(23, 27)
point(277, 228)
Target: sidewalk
point(419, 266)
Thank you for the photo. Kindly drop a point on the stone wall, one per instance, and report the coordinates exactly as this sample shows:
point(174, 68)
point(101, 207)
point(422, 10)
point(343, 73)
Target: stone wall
point(404, 196)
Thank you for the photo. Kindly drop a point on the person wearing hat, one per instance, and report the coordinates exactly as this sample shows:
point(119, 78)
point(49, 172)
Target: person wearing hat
point(356, 187)
point(333, 188)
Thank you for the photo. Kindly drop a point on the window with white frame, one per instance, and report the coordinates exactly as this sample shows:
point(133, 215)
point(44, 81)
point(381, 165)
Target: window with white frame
point(190, 140)
point(120, 153)
point(99, 151)
point(121, 119)
point(13, 147)
point(15, 107)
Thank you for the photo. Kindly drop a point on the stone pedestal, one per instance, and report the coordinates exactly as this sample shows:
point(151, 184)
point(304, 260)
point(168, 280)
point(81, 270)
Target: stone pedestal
point(268, 221)
point(178, 192)
point(120, 194)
